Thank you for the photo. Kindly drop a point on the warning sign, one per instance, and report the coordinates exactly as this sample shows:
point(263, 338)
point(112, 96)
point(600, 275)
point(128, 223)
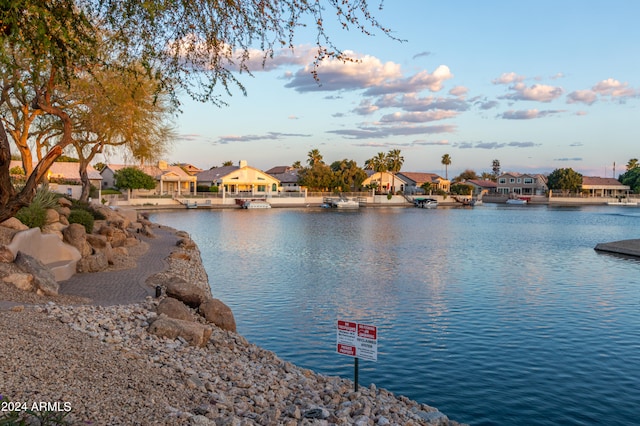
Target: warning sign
point(357, 340)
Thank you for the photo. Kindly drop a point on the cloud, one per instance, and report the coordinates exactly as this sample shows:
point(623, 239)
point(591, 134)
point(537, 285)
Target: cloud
point(417, 117)
point(527, 114)
point(459, 91)
point(334, 74)
point(412, 102)
point(614, 89)
point(380, 132)
point(582, 96)
point(189, 137)
point(494, 145)
point(366, 107)
point(536, 92)
point(508, 78)
point(223, 140)
point(486, 105)
point(568, 159)
point(421, 54)
point(576, 144)
point(431, 143)
point(293, 117)
point(416, 83)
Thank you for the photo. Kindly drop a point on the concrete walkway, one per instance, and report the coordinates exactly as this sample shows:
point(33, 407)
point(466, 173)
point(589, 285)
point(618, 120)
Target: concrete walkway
point(128, 285)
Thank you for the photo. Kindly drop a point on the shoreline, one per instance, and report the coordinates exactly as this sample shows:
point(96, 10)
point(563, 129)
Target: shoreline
point(103, 361)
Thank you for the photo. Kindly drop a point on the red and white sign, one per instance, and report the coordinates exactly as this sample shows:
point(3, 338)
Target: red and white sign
point(357, 340)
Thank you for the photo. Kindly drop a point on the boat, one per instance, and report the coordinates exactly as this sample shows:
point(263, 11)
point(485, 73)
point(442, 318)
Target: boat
point(476, 202)
point(345, 203)
point(256, 204)
point(425, 203)
point(516, 201)
point(622, 202)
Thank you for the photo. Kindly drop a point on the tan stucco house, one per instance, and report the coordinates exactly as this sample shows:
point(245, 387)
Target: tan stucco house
point(240, 180)
point(170, 180)
point(416, 179)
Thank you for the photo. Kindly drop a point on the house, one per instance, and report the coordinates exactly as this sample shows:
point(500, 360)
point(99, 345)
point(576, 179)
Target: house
point(64, 178)
point(288, 177)
point(416, 179)
point(521, 184)
point(239, 180)
point(190, 168)
point(482, 187)
point(385, 182)
point(604, 187)
point(170, 180)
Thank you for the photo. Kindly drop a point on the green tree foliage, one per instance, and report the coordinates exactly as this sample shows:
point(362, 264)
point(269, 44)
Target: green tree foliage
point(347, 175)
point(631, 178)
point(133, 178)
point(565, 180)
point(468, 174)
point(314, 157)
point(632, 164)
point(318, 177)
point(82, 217)
point(427, 187)
point(461, 189)
point(446, 162)
point(495, 168)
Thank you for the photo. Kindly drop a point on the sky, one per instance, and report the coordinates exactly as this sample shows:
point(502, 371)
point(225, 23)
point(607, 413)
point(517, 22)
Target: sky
point(536, 85)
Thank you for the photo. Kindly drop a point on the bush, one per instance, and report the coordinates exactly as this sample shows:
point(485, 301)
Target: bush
point(83, 217)
point(80, 205)
point(33, 215)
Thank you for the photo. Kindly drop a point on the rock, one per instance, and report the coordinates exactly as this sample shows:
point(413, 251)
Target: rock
point(96, 241)
point(173, 308)
point(43, 279)
point(216, 312)
point(186, 243)
point(22, 282)
point(54, 228)
point(76, 235)
point(6, 255)
point(63, 202)
point(64, 212)
point(52, 216)
point(188, 293)
point(194, 333)
point(14, 223)
point(94, 263)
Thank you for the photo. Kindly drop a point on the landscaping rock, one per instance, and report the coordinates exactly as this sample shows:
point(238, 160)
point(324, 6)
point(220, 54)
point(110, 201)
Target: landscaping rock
point(194, 333)
point(173, 308)
point(20, 281)
point(76, 235)
point(216, 312)
point(94, 263)
point(188, 293)
point(6, 255)
point(44, 280)
point(14, 223)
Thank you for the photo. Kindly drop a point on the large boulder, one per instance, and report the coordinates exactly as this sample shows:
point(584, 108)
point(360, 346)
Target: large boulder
point(173, 308)
point(43, 279)
point(76, 235)
point(96, 262)
point(52, 216)
point(22, 282)
point(188, 293)
point(216, 312)
point(100, 243)
point(195, 333)
point(6, 255)
point(14, 223)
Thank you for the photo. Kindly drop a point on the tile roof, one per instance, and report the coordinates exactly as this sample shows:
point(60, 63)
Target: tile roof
point(600, 181)
point(421, 177)
point(65, 170)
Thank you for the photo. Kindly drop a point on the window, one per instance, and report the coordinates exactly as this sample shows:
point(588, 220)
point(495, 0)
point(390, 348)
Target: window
point(528, 180)
point(262, 188)
point(502, 180)
point(512, 180)
point(519, 180)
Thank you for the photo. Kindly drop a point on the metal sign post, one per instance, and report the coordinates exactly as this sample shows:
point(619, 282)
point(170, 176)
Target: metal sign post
point(357, 341)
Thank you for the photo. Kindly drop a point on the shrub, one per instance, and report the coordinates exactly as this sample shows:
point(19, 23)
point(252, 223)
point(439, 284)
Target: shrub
point(83, 217)
point(33, 215)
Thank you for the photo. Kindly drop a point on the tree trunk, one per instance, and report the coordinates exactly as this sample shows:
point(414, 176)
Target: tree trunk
point(84, 178)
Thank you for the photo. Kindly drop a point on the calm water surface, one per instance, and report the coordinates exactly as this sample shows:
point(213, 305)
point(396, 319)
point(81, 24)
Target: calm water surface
point(494, 315)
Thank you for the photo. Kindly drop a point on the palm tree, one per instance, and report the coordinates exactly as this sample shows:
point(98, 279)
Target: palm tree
point(394, 164)
point(632, 164)
point(227, 163)
point(446, 160)
point(378, 164)
point(314, 157)
point(297, 164)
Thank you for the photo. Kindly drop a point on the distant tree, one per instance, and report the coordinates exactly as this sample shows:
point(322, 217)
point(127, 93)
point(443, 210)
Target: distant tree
point(318, 177)
point(461, 189)
point(347, 175)
point(394, 163)
point(297, 164)
point(488, 176)
point(99, 166)
point(378, 164)
point(565, 180)
point(67, 159)
point(468, 174)
point(495, 167)
point(132, 178)
point(227, 163)
point(446, 161)
point(427, 187)
point(314, 157)
point(632, 164)
point(631, 178)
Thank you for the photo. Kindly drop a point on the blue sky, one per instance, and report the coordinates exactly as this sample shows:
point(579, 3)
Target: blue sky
point(537, 85)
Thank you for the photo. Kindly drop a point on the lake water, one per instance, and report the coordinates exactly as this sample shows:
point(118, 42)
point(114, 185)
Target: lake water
point(494, 315)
